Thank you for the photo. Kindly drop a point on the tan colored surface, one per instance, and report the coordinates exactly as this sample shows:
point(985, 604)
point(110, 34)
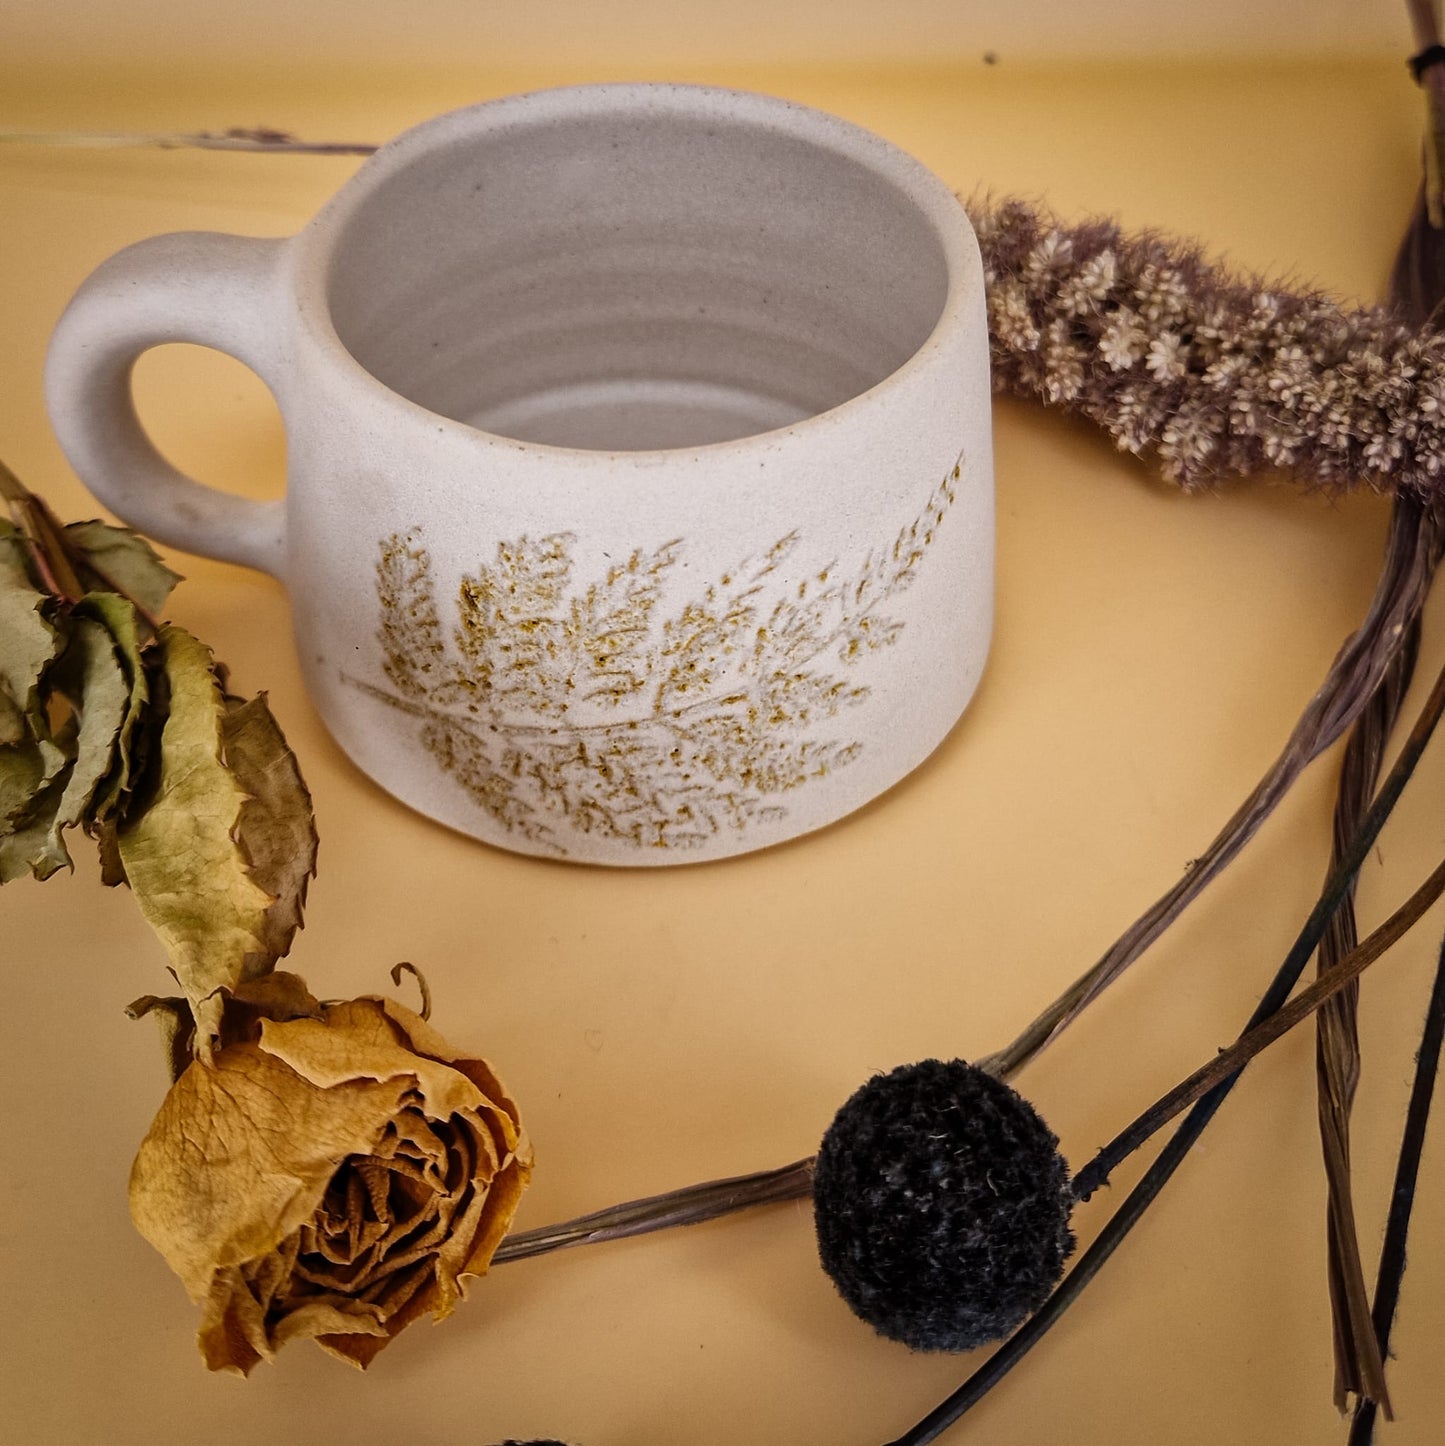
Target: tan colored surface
point(668, 32)
point(661, 1028)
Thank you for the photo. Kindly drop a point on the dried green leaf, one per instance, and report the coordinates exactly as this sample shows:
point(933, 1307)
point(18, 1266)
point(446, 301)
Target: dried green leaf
point(28, 641)
point(189, 877)
point(119, 620)
point(120, 560)
point(277, 829)
point(12, 722)
point(32, 844)
point(25, 769)
point(90, 676)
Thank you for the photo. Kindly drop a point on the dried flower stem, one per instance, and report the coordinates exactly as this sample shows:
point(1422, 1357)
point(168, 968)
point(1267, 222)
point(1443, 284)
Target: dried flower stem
point(1417, 286)
point(1402, 1199)
point(658, 1212)
point(709, 1201)
point(1327, 987)
point(1172, 1155)
point(1359, 1368)
point(1412, 552)
point(1425, 23)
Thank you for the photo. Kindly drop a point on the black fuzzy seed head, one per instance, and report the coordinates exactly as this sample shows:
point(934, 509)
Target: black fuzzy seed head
point(548, 1442)
point(942, 1206)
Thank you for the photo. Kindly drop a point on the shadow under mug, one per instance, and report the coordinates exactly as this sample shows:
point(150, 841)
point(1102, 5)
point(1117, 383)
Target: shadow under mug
point(640, 501)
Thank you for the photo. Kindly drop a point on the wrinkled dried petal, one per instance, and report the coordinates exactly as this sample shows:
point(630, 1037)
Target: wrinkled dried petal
point(240, 1156)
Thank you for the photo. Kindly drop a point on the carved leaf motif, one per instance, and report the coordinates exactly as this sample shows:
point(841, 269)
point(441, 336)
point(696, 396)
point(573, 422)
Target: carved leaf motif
point(555, 705)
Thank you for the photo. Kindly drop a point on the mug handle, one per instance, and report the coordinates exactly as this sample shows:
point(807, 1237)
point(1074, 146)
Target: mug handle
point(225, 292)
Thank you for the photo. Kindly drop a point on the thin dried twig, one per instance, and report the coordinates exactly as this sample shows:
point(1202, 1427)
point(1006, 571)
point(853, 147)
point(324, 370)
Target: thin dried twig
point(1425, 24)
point(1228, 1062)
point(238, 138)
point(1417, 287)
point(1179, 1144)
point(1402, 1196)
point(1358, 1367)
point(1412, 553)
point(659, 1212)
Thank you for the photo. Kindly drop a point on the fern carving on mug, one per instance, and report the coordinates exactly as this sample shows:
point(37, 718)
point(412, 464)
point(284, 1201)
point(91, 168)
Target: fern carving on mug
point(548, 699)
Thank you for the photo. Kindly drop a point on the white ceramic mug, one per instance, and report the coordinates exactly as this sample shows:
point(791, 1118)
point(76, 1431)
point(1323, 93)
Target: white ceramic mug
point(639, 498)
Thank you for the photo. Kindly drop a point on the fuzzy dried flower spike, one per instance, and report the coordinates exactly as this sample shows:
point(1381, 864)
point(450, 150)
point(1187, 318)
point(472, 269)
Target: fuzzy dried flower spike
point(1215, 375)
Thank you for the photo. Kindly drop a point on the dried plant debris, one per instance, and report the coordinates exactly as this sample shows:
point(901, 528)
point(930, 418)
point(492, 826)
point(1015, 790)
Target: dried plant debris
point(73, 689)
point(116, 723)
point(330, 1171)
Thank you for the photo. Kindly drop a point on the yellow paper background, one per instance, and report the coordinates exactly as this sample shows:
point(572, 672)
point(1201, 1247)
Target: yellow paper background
point(659, 1028)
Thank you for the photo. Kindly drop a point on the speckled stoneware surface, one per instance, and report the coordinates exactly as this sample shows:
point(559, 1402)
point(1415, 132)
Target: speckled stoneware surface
point(640, 503)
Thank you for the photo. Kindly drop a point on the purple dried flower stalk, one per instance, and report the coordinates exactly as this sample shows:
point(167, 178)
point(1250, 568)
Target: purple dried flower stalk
point(1214, 375)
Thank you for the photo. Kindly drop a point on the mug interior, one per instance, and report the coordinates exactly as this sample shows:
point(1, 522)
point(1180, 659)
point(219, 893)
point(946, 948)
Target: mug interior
point(633, 278)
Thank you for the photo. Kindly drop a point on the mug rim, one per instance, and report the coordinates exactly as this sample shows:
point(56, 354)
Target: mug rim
point(953, 231)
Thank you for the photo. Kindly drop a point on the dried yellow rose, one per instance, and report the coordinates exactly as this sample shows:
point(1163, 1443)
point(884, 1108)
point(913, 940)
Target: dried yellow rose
point(332, 1177)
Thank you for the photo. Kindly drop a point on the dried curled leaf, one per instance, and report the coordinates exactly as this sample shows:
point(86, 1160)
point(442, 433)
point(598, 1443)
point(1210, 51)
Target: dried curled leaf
point(25, 769)
point(179, 851)
point(12, 721)
point(96, 696)
point(332, 1177)
point(277, 830)
point(28, 640)
point(65, 695)
point(31, 843)
point(117, 560)
point(35, 759)
point(119, 619)
point(90, 675)
point(77, 607)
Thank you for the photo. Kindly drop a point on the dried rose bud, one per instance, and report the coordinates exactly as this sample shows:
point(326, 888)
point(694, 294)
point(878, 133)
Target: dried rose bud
point(332, 1177)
